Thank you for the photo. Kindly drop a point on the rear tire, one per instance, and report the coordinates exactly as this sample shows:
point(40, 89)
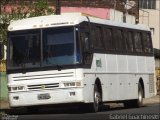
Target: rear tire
point(137, 102)
point(94, 107)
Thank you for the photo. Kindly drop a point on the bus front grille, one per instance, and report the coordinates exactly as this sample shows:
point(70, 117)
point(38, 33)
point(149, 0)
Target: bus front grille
point(42, 76)
point(43, 86)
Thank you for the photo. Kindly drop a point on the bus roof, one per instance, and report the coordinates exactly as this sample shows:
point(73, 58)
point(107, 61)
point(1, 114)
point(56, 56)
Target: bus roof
point(66, 19)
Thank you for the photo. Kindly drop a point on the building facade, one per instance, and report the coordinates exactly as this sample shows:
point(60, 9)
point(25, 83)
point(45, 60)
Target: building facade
point(106, 9)
point(149, 14)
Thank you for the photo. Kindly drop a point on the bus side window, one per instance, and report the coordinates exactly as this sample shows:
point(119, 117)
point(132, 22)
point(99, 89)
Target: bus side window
point(98, 43)
point(87, 55)
point(119, 41)
point(85, 41)
point(128, 40)
point(108, 39)
point(147, 43)
point(138, 41)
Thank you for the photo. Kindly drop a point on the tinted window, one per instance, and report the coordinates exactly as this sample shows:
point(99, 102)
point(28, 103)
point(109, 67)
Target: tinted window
point(108, 39)
point(58, 46)
point(128, 40)
point(138, 42)
point(99, 38)
point(147, 42)
point(85, 41)
point(24, 49)
point(119, 41)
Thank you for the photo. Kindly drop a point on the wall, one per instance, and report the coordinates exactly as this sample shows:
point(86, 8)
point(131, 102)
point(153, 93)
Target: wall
point(3, 87)
point(118, 16)
point(103, 13)
point(153, 21)
point(98, 12)
point(151, 17)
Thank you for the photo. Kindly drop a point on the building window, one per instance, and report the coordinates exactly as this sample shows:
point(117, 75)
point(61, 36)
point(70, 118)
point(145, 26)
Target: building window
point(152, 31)
point(147, 4)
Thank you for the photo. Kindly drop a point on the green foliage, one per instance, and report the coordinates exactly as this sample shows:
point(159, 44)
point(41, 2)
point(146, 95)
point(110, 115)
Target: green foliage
point(38, 8)
point(41, 8)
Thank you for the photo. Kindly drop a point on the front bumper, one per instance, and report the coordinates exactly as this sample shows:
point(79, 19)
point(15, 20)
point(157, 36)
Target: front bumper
point(57, 96)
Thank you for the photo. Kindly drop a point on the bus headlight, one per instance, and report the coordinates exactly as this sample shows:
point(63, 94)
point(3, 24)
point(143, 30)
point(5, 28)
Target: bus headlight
point(16, 88)
point(72, 84)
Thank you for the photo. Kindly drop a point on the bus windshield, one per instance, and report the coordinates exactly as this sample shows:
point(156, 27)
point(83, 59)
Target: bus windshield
point(24, 49)
point(58, 46)
point(42, 48)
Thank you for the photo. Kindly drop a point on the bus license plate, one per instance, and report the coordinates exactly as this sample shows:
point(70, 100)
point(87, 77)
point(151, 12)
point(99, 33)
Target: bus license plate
point(44, 96)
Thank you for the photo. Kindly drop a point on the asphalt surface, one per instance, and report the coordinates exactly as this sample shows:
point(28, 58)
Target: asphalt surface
point(149, 111)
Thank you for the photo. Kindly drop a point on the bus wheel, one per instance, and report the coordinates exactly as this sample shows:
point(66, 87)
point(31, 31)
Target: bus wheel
point(139, 102)
point(94, 107)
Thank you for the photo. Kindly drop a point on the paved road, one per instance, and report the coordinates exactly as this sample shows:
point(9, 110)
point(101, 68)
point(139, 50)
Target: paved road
point(149, 111)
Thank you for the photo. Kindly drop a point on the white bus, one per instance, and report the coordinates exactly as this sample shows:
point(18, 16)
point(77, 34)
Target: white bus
point(73, 58)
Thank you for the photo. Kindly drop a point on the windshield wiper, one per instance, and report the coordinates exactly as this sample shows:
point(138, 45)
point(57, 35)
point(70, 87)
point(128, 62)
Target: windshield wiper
point(59, 68)
point(23, 68)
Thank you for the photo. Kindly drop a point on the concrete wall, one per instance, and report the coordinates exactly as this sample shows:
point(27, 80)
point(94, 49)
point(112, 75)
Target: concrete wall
point(103, 13)
point(151, 17)
point(118, 16)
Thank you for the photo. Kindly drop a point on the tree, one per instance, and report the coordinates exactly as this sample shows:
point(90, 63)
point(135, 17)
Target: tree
point(21, 11)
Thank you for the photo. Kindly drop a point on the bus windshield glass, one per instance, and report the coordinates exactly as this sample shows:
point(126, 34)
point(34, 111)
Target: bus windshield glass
point(42, 48)
point(24, 49)
point(58, 46)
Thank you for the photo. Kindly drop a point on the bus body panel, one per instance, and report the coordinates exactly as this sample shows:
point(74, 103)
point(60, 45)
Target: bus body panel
point(119, 76)
point(45, 82)
point(57, 96)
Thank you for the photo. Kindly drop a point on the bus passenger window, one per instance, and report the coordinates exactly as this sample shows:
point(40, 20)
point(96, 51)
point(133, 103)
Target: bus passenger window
point(138, 42)
point(98, 43)
point(108, 39)
point(119, 41)
point(129, 42)
point(85, 41)
point(147, 43)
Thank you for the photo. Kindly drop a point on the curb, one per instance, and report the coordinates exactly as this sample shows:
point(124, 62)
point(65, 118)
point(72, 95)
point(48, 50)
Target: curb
point(4, 105)
point(146, 101)
point(152, 100)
